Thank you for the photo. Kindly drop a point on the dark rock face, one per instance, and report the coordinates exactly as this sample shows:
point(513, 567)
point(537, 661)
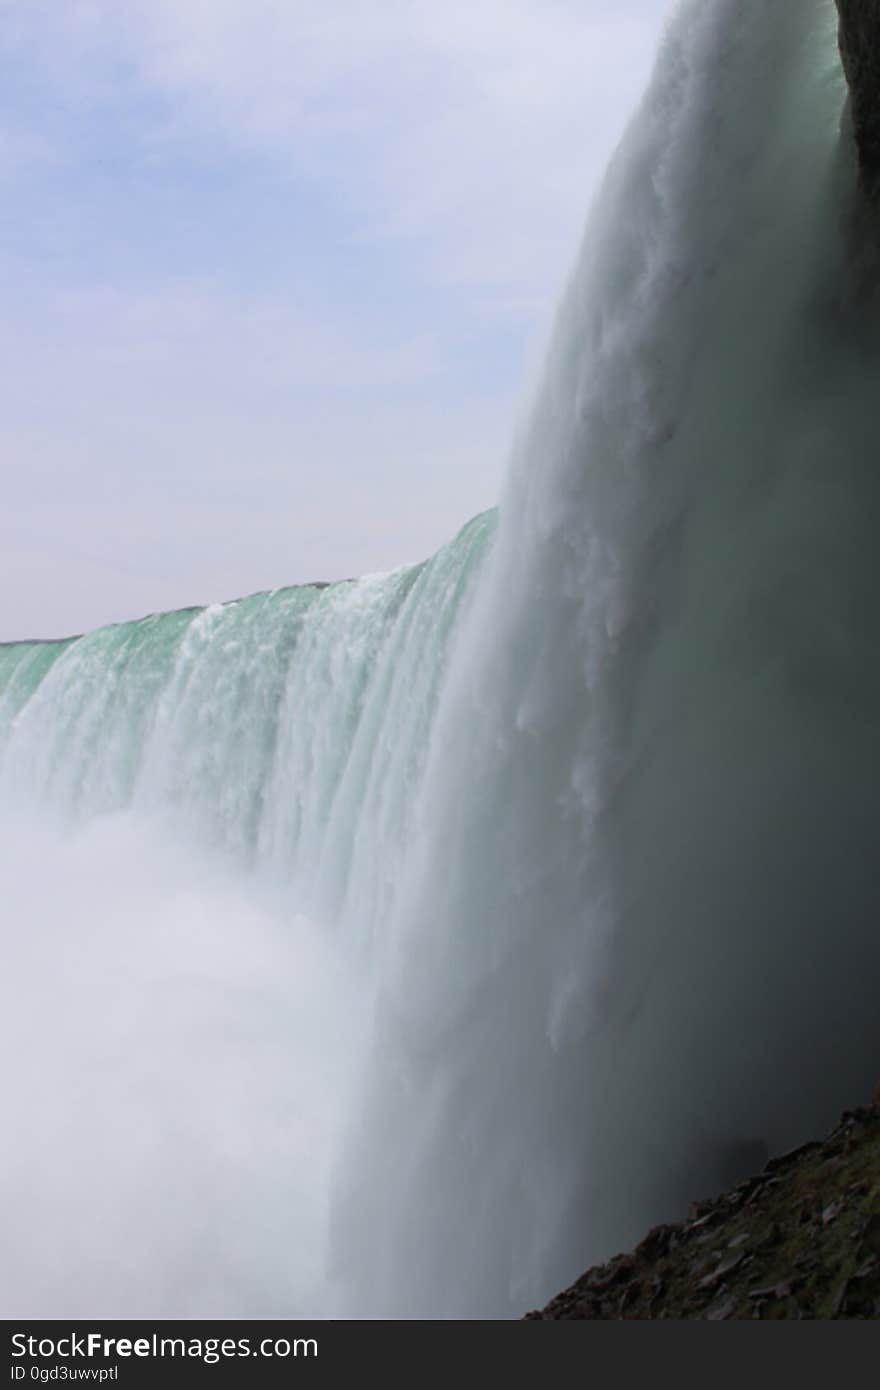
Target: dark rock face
point(859, 34)
point(801, 1239)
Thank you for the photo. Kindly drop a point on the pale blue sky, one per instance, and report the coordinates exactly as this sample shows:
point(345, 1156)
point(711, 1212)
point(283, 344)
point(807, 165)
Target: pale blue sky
point(276, 275)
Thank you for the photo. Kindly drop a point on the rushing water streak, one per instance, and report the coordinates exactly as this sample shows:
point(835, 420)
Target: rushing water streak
point(271, 726)
point(589, 812)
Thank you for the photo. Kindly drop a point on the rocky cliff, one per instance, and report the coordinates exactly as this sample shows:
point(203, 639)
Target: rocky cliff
point(799, 1240)
point(860, 50)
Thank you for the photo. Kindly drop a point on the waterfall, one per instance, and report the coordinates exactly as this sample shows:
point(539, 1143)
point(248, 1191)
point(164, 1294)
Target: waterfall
point(500, 906)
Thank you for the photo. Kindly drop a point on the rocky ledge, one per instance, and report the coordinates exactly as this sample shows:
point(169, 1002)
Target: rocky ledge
point(859, 33)
point(799, 1240)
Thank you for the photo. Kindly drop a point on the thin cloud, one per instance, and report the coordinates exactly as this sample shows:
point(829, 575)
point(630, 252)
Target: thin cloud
point(474, 132)
point(273, 273)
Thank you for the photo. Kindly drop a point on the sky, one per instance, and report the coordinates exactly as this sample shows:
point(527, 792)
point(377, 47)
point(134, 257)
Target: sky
point(277, 275)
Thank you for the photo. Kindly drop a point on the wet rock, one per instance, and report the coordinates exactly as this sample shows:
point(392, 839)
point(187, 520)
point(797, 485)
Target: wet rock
point(726, 1267)
point(871, 1234)
point(721, 1311)
point(773, 1291)
point(859, 37)
point(799, 1240)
